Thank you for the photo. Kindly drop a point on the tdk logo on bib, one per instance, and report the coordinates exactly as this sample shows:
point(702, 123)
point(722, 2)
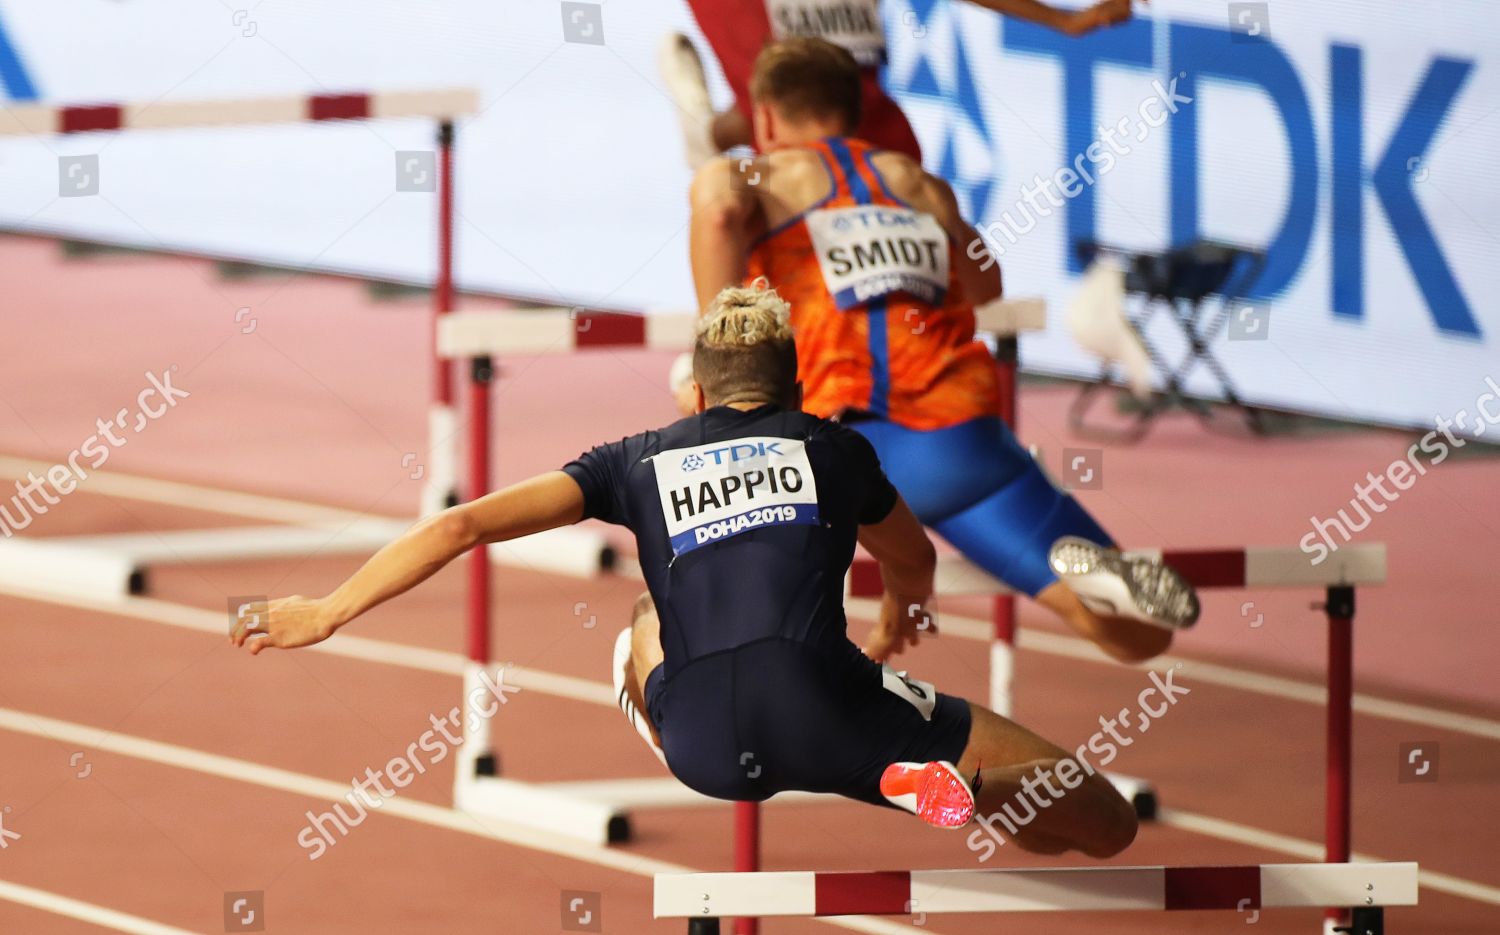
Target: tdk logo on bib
point(714, 491)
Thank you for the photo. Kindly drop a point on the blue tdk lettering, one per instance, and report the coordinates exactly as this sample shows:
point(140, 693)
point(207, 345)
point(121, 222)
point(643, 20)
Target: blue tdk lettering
point(732, 453)
point(1200, 54)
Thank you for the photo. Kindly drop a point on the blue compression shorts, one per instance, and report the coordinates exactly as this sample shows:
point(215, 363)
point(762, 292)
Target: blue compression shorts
point(983, 492)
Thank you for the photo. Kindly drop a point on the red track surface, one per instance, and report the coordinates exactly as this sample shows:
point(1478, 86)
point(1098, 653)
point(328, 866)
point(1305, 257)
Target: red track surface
point(322, 400)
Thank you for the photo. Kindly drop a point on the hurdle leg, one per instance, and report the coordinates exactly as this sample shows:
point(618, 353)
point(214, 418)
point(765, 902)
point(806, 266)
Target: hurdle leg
point(442, 419)
point(1003, 647)
point(703, 927)
point(482, 373)
point(1363, 920)
point(746, 859)
point(1340, 610)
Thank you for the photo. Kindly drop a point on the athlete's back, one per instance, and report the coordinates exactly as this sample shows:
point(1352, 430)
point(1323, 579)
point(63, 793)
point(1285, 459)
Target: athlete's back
point(745, 523)
point(856, 240)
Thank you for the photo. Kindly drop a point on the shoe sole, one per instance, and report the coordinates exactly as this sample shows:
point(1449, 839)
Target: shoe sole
point(943, 798)
point(1158, 590)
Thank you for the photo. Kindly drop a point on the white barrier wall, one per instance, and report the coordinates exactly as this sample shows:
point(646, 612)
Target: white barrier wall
point(1352, 138)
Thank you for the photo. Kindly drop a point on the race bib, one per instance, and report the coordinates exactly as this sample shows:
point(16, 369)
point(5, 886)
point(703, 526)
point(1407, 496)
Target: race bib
point(852, 24)
point(869, 251)
point(712, 492)
point(921, 695)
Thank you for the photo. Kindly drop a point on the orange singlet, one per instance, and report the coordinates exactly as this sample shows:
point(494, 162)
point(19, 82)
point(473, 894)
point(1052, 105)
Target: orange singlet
point(880, 322)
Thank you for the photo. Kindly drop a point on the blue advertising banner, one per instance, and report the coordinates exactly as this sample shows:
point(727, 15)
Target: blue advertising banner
point(1349, 140)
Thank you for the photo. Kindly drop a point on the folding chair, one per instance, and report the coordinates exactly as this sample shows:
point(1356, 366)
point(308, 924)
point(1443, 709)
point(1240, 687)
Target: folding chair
point(1178, 281)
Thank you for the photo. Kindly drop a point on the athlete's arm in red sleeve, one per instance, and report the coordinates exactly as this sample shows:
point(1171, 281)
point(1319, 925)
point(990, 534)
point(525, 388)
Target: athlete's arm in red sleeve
point(907, 565)
point(1070, 22)
point(543, 502)
point(719, 233)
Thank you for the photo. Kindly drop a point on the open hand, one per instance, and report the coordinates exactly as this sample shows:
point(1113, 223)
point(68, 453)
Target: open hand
point(903, 622)
point(285, 623)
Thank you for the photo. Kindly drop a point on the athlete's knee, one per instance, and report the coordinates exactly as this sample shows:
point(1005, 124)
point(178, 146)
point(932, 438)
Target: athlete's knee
point(1117, 826)
point(1114, 840)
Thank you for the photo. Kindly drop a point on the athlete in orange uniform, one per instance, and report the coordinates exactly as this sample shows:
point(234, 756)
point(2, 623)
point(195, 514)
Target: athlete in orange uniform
point(908, 354)
point(871, 252)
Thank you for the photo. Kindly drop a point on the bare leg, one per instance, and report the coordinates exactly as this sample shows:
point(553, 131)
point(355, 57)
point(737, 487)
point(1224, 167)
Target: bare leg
point(1122, 638)
point(731, 129)
point(645, 655)
point(1018, 773)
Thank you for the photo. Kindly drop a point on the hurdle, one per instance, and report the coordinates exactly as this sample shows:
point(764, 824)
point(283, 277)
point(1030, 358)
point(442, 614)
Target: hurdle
point(442, 105)
point(1204, 569)
point(119, 565)
point(1366, 889)
point(596, 812)
point(1253, 567)
point(477, 338)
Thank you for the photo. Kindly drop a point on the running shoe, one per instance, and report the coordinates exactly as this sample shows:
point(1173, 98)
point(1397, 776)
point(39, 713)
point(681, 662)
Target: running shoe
point(935, 792)
point(682, 72)
point(1124, 584)
point(622, 696)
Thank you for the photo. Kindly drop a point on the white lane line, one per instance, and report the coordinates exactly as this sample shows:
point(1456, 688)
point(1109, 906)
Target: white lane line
point(197, 497)
point(1312, 850)
point(362, 648)
point(1275, 686)
point(325, 791)
point(254, 506)
point(84, 912)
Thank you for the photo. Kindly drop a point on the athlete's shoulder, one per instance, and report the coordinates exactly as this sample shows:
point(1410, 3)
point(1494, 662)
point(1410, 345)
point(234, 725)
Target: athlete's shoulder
point(903, 175)
point(833, 432)
point(617, 457)
point(679, 434)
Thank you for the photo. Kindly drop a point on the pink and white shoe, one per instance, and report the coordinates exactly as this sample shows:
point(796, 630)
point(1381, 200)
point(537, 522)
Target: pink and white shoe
point(935, 792)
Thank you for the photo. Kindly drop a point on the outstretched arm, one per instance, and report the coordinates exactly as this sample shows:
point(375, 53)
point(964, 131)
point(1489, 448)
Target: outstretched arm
point(1069, 22)
point(907, 563)
point(543, 502)
point(719, 233)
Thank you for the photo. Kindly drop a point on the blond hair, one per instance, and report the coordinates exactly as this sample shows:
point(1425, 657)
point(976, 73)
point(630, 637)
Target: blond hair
point(806, 76)
point(744, 349)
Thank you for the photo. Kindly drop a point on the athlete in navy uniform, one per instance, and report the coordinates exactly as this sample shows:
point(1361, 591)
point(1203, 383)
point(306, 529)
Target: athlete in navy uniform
point(746, 517)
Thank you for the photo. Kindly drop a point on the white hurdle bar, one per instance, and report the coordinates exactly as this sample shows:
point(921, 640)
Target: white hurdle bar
point(1252, 567)
point(113, 564)
point(1364, 888)
point(119, 565)
point(558, 330)
point(46, 119)
point(479, 337)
